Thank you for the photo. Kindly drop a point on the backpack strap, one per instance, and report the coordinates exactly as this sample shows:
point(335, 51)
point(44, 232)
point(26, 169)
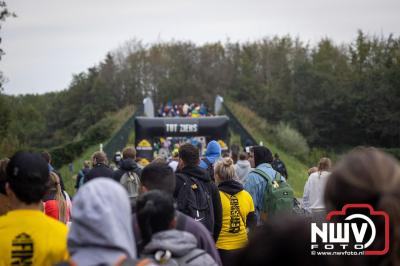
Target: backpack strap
point(208, 163)
point(191, 256)
point(265, 176)
point(236, 207)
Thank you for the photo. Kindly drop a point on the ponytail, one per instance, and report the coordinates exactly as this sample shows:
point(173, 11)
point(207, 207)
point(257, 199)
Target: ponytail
point(146, 215)
point(155, 212)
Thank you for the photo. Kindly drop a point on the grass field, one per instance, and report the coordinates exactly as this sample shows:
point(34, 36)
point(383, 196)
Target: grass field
point(258, 127)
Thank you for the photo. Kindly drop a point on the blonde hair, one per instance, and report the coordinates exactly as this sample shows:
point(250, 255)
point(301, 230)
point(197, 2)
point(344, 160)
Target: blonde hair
point(59, 197)
point(225, 170)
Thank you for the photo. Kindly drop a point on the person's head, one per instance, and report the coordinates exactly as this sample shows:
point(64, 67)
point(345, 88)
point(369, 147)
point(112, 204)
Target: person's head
point(155, 213)
point(189, 155)
point(324, 164)
point(46, 156)
point(27, 178)
point(260, 155)
point(117, 157)
point(157, 176)
point(102, 223)
point(86, 164)
point(313, 169)
point(99, 157)
point(276, 156)
point(54, 186)
point(224, 170)
point(243, 156)
point(129, 152)
point(213, 148)
point(369, 176)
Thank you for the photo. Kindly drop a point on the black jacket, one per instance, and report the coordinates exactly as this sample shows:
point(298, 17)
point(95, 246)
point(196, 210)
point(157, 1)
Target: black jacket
point(233, 187)
point(99, 170)
point(202, 175)
point(126, 165)
point(82, 173)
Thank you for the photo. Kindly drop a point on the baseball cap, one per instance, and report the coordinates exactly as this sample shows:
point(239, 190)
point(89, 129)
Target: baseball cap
point(28, 176)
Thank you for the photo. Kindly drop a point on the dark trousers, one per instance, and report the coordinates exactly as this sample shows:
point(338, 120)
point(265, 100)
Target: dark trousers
point(228, 256)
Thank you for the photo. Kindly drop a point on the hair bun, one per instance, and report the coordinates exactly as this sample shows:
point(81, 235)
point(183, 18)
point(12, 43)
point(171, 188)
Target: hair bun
point(228, 162)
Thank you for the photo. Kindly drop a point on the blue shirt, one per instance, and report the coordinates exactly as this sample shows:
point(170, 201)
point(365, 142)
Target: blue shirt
point(256, 185)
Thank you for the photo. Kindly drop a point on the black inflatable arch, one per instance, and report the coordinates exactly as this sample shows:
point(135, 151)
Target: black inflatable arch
point(146, 129)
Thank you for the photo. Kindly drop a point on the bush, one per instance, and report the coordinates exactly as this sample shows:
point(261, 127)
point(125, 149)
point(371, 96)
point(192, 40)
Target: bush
point(291, 140)
point(97, 133)
point(317, 153)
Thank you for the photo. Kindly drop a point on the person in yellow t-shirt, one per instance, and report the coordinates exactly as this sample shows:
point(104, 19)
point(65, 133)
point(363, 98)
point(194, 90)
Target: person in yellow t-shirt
point(28, 236)
point(237, 211)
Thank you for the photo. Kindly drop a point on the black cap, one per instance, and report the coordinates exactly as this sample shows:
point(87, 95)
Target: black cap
point(28, 176)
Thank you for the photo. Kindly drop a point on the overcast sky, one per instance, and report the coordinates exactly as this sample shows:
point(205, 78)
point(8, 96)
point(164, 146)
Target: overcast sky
point(52, 39)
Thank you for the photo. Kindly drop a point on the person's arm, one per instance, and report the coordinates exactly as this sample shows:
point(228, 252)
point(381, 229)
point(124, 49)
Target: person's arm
point(306, 196)
point(251, 220)
point(217, 206)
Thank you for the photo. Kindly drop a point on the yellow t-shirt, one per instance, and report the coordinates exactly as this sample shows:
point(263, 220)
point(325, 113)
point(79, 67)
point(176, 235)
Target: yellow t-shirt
point(235, 209)
point(29, 237)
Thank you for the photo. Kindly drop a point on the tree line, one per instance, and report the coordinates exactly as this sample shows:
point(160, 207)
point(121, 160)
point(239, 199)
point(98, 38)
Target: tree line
point(337, 96)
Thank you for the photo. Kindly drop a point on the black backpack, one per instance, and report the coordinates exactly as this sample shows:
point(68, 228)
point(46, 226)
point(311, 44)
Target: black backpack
point(195, 200)
point(278, 166)
point(210, 168)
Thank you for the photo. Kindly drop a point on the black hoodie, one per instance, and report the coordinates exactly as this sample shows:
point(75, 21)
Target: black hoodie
point(127, 165)
point(233, 187)
point(202, 175)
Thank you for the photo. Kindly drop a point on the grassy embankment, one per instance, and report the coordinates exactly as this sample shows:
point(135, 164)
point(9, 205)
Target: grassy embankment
point(258, 128)
point(69, 178)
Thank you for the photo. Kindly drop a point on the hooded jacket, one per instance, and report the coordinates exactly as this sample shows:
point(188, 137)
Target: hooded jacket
point(201, 175)
point(101, 231)
point(99, 170)
point(242, 169)
point(213, 154)
point(180, 244)
point(187, 224)
point(127, 165)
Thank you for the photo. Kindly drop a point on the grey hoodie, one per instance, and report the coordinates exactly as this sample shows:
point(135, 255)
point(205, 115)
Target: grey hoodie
point(242, 168)
point(180, 244)
point(101, 231)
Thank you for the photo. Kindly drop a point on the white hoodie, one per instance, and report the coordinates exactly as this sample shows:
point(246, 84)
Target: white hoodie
point(242, 169)
point(313, 198)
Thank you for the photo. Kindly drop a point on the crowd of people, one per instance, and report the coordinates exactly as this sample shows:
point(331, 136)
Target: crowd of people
point(191, 210)
point(183, 110)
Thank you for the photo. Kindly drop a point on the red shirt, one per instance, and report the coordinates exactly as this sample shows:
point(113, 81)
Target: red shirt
point(51, 209)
